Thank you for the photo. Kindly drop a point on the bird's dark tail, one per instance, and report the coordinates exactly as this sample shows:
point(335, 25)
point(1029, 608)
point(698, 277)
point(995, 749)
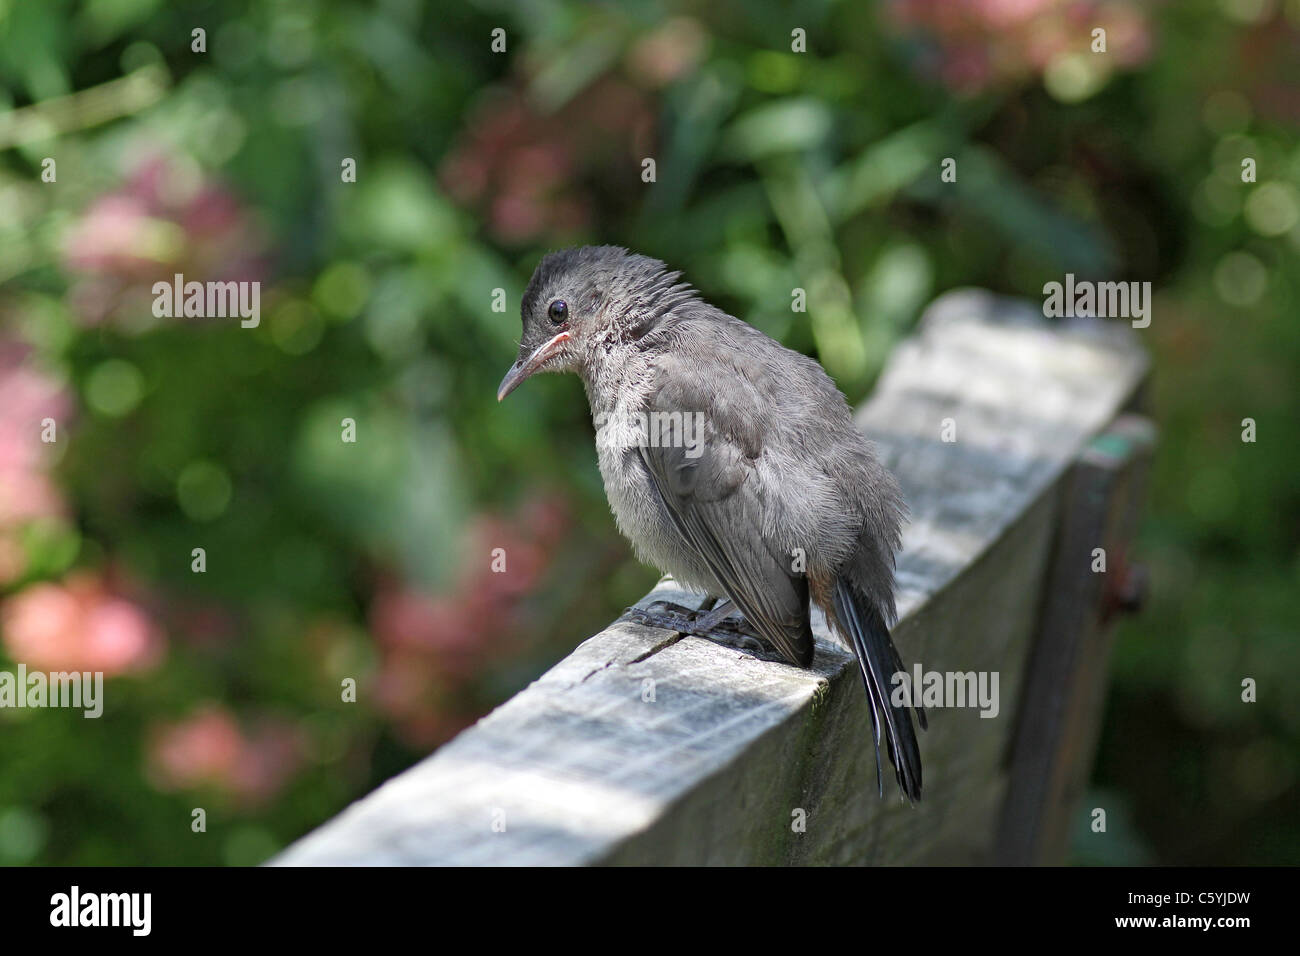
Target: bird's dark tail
point(878, 660)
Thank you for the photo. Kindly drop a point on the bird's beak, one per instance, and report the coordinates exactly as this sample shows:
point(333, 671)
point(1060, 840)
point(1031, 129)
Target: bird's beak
point(526, 367)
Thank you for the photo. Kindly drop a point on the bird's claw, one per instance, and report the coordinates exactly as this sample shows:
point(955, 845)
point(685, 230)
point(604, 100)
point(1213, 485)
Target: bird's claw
point(730, 631)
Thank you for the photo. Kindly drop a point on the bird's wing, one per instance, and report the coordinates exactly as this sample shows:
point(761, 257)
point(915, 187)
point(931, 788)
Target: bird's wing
point(711, 493)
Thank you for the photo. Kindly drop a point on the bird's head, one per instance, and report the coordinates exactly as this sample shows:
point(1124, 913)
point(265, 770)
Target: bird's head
point(583, 304)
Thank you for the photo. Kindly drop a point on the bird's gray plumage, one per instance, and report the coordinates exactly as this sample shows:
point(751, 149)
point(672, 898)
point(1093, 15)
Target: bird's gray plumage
point(784, 501)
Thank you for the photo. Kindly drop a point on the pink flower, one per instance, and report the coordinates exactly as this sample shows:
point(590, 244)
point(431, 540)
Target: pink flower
point(434, 645)
point(27, 398)
point(209, 748)
point(271, 756)
point(973, 44)
point(527, 171)
point(406, 618)
point(165, 219)
point(201, 749)
point(668, 52)
point(1006, 13)
point(79, 625)
point(118, 235)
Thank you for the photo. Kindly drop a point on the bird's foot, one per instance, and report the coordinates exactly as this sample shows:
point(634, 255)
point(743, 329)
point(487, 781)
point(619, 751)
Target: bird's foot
point(666, 616)
point(722, 624)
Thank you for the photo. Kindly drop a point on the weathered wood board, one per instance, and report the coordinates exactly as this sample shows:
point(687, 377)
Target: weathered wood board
point(1060, 708)
point(582, 768)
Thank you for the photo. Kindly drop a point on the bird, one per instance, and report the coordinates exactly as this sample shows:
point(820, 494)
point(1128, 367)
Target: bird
point(732, 464)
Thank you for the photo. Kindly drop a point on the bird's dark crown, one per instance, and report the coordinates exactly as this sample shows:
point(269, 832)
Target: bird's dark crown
point(632, 291)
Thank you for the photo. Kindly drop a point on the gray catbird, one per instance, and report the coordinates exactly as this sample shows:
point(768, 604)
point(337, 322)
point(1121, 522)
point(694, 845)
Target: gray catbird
point(731, 463)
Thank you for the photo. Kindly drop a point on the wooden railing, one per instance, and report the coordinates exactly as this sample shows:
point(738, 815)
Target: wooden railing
point(1020, 453)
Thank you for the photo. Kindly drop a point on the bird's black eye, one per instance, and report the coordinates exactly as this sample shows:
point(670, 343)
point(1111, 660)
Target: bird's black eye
point(558, 311)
